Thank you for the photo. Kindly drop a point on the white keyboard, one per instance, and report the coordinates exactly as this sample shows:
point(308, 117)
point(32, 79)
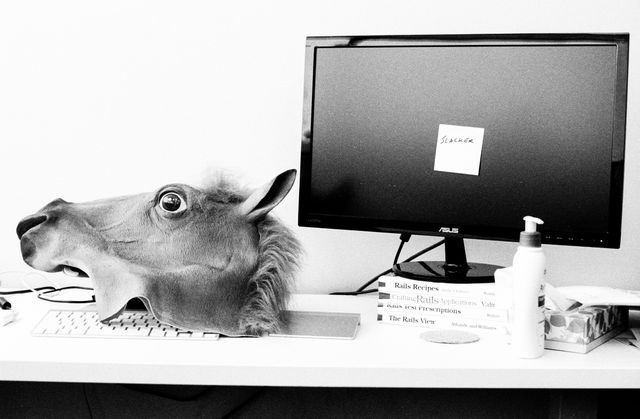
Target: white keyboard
point(130, 324)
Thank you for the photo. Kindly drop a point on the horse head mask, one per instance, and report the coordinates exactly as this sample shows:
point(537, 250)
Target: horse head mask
point(201, 259)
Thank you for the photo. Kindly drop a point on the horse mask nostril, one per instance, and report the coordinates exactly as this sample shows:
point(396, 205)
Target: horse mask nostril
point(28, 223)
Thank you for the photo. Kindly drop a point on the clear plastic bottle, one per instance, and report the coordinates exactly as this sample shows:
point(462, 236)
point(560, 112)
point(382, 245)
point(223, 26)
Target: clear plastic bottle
point(529, 269)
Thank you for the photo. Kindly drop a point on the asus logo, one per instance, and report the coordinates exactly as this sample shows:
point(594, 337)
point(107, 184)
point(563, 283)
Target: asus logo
point(453, 230)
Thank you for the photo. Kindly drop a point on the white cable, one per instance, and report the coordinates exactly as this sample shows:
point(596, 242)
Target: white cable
point(23, 275)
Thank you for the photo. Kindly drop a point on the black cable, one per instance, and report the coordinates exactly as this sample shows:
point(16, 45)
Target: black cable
point(425, 250)
point(371, 281)
point(72, 287)
point(403, 239)
point(48, 289)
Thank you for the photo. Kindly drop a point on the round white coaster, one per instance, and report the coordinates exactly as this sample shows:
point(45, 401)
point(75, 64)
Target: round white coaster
point(449, 336)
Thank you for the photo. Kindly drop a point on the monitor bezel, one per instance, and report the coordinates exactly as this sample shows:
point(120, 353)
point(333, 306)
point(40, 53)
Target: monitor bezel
point(609, 239)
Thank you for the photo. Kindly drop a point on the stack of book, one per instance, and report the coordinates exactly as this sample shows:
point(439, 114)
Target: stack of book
point(470, 307)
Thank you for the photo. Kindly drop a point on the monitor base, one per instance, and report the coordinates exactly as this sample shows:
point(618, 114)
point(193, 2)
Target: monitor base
point(455, 268)
point(469, 273)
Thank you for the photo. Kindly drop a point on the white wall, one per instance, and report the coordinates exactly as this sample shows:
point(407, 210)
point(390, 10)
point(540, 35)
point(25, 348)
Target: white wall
point(105, 98)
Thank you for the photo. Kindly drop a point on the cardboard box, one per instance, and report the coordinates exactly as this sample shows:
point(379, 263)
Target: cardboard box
point(584, 328)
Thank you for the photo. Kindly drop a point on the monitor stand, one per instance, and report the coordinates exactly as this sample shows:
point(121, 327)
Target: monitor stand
point(454, 269)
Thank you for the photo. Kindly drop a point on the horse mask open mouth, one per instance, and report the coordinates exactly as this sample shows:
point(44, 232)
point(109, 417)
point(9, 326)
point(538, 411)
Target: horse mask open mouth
point(210, 260)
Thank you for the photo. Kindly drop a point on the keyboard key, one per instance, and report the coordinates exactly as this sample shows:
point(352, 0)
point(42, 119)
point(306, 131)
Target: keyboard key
point(131, 324)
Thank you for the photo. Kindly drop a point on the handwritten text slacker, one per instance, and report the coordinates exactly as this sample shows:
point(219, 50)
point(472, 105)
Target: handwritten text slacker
point(459, 149)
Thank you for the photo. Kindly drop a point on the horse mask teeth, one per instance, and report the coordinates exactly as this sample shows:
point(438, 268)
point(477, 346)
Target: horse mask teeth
point(73, 271)
point(68, 270)
point(209, 260)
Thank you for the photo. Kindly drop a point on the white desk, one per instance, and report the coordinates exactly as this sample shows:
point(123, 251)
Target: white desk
point(380, 356)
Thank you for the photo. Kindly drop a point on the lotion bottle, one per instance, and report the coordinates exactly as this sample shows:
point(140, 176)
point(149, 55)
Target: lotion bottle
point(529, 268)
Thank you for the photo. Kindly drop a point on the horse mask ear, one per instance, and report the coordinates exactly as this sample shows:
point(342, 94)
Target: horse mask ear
point(265, 198)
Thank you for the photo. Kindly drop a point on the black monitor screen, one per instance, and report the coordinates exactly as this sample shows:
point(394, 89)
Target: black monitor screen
point(466, 136)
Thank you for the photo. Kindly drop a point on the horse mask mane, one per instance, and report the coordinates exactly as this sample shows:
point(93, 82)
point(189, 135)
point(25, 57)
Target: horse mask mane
point(208, 260)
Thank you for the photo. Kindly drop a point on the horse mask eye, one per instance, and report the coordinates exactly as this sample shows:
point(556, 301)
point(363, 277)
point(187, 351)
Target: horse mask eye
point(172, 202)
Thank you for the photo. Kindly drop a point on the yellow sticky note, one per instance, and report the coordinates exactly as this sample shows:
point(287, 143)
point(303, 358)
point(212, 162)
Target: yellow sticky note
point(459, 149)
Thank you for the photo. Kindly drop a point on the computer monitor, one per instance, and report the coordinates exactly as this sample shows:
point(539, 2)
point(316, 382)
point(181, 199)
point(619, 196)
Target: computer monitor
point(462, 135)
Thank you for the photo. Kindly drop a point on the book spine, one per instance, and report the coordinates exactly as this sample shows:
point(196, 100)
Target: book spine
point(470, 325)
point(451, 310)
point(404, 285)
point(447, 300)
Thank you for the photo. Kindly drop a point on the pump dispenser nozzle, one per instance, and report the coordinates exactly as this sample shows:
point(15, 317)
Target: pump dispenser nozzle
point(530, 237)
point(530, 223)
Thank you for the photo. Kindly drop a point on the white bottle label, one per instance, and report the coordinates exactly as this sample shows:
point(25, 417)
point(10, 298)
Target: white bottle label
point(540, 328)
point(528, 303)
